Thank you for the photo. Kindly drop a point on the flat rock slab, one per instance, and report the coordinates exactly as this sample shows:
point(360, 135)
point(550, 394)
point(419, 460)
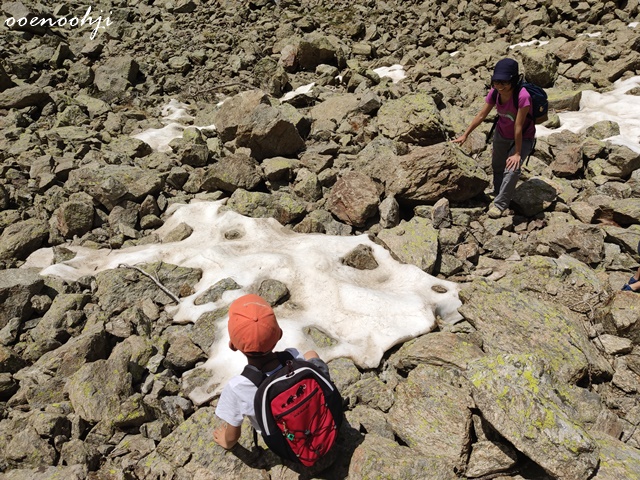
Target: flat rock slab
point(521, 401)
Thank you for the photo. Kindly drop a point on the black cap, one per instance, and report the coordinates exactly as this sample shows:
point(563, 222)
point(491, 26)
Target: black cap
point(506, 70)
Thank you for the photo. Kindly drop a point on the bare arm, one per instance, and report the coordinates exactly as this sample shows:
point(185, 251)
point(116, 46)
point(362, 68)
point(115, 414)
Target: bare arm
point(513, 162)
point(477, 120)
point(227, 435)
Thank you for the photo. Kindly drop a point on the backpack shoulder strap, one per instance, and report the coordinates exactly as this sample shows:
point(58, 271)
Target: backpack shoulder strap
point(253, 374)
point(256, 376)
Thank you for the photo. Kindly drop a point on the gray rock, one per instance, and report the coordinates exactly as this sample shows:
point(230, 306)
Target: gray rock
point(73, 218)
point(179, 233)
point(215, 292)
point(384, 459)
point(110, 184)
point(414, 242)
point(427, 174)
point(513, 322)
point(116, 74)
point(624, 212)
point(584, 242)
point(389, 211)
point(488, 458)
point(98, 390)
point(273, 291)
point(360, 258)
point(56, 325)
point(20, 239)
point(121, 288)
point(307, 186)
point(619, 316)
point(27, 448)
point(231, 173)
point(428, 425)
point(10, 362)
point(617, 459)
point(269, 132)
point(279, 169)
point(72, 472)
point(552, 278)
point(183, 354)
point(414, 119)
point(281, 206)
point(17, 287)
point(5, 81)
point(23, 96)
point(440, 349)
point(519, 399)
point(235, 111)
point(535, 195)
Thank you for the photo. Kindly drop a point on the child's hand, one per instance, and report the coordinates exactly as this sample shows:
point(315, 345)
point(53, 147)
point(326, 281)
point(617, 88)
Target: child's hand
point(227, 435)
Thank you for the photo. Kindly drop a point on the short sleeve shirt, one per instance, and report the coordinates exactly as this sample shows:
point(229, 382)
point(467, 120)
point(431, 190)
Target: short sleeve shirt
point(507, 114)
point(236, 400)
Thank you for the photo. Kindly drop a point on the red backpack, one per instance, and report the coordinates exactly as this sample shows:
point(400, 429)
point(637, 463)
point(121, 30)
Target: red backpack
point(298, 409)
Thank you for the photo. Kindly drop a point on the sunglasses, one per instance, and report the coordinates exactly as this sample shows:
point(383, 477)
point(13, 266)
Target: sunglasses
point(500, 82)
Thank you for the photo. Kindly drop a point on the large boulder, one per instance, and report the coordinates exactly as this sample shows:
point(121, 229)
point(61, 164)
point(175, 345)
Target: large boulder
point(22, 238)
point(522, 402)
point(232, 172)
point(121, 288)
point(23, 96)
point(427, 424)
point(17, 287)
point(111, 184)
point(427, 174)
point(621, 315)
point(116, 74)
point(535, 195)
point(233, 112)
point(413, 118)
point(98, 390)
point(583, 242)
point(282, 206)
point(382, 458)
point(354, 198)
point(518, 322)
point(414, 242)
point(269, 132)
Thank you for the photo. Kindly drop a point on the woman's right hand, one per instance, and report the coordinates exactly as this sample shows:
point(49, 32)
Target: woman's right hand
point(461, 139)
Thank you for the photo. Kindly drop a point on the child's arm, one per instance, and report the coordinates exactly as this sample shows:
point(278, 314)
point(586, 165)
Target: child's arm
point(227, 435)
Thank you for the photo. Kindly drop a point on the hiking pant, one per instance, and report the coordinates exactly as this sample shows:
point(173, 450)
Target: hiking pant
point(504, 182)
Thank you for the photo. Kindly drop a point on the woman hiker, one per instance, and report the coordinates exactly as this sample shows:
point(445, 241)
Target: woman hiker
point(514, 135)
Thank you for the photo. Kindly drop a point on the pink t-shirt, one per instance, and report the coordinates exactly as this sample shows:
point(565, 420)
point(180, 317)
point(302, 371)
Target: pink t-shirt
point(507, 114)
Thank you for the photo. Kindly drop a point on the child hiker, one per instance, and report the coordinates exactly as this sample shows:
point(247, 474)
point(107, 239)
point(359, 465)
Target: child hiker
point(514, 134)
point(254, 330)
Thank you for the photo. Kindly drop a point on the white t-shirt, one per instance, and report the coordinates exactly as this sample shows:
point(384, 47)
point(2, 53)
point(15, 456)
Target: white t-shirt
point(236, 400)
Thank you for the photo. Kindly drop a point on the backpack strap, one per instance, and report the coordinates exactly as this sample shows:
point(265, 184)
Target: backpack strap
point(257, 376)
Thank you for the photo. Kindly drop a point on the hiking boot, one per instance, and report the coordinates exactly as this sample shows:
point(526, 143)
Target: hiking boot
point(495, 212)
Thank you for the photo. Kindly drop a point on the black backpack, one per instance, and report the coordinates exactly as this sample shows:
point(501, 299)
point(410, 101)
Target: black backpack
point(539, 102)
point(298, 409)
